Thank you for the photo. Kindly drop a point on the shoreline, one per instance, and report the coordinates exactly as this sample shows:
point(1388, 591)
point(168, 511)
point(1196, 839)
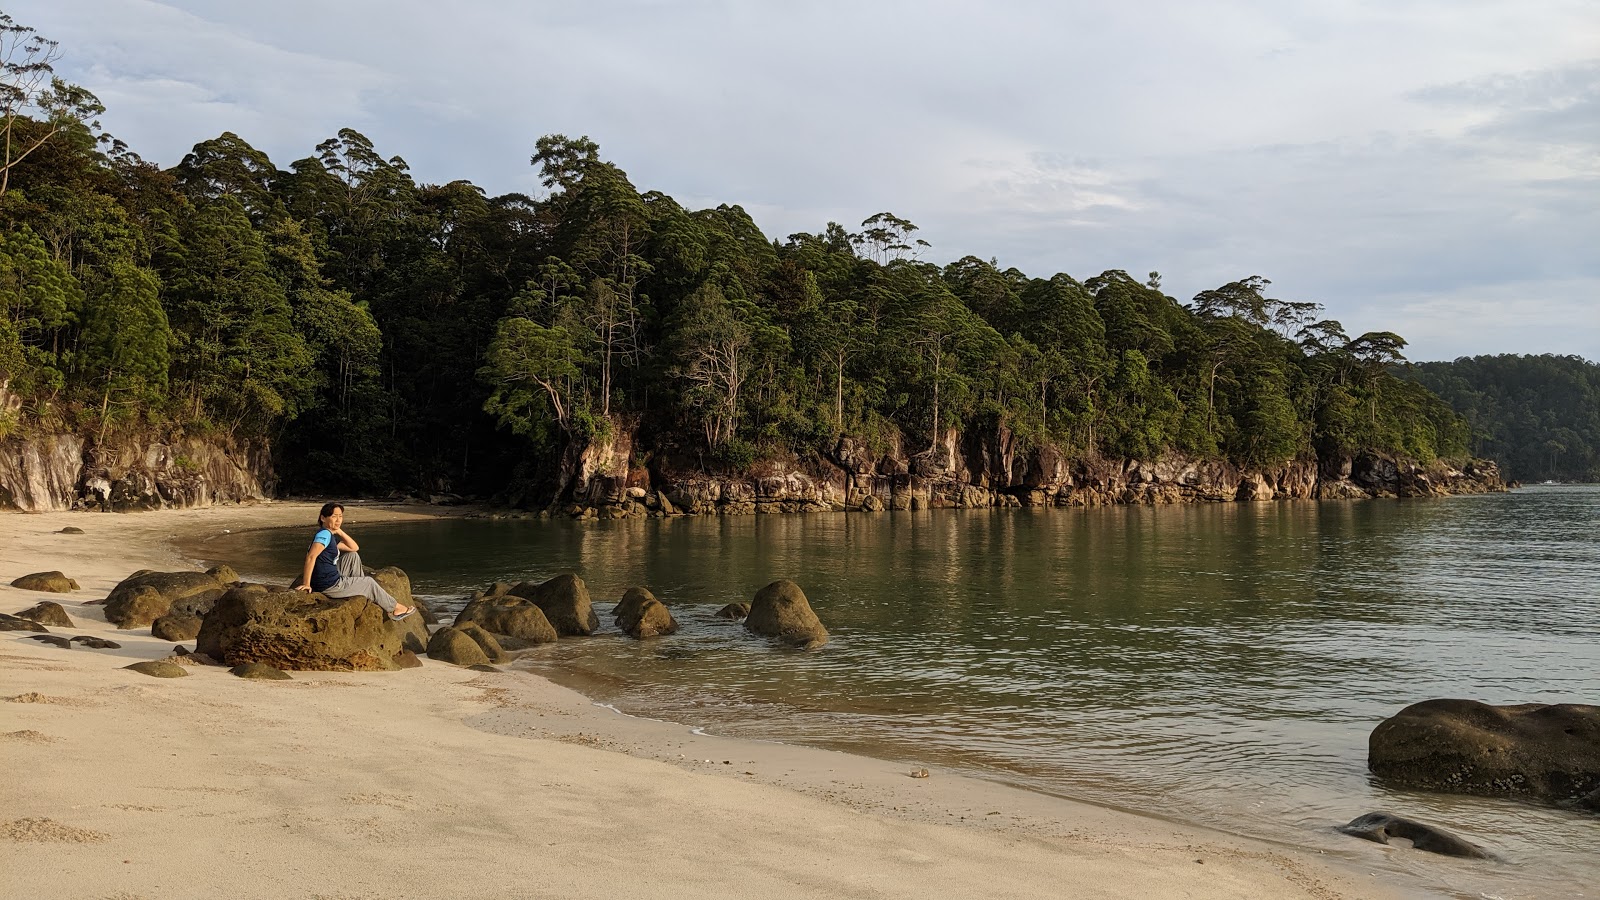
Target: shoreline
point(439, 748)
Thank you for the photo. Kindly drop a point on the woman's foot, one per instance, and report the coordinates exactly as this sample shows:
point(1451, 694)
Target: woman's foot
point(397, 615)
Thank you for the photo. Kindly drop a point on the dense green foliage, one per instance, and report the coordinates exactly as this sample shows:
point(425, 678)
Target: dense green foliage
point(1538, 415)
point(384, 333)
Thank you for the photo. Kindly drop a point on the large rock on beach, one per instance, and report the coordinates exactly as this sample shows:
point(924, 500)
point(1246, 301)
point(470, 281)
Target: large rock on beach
point(17, 623)
point(514, 617)
point(145, 596)
point(780, 610)
point(292, 630)
point(394, 580)
point(565, 601)
point(50, 582)
point(47, 612)
point(158, 668)
point(1541, 752)
point(486, 642)
point(451, 645)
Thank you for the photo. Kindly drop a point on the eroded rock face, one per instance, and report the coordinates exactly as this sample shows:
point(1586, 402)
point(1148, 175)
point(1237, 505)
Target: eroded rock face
point(47, 612)
point(291, 630)
point(780, 610)
point(565, 602)
point(1380, 827)
point(514, 617)
point(1542, 752)
point(145, 596)
point(50, 582)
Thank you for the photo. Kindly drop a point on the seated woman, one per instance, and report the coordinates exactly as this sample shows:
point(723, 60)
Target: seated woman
point(333, 566)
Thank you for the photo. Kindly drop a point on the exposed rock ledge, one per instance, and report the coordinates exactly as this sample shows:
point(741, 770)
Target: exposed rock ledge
point(42, 473)
point(975, 471)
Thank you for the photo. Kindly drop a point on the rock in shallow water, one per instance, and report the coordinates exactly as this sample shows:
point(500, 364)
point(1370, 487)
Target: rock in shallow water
point(780, 610)
point(1380, 827)
point(1542, 752)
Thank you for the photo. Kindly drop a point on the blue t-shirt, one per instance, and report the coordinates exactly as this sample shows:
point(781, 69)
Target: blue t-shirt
point(325, 573)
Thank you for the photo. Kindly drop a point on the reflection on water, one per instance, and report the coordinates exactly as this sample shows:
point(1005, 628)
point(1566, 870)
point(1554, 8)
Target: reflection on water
point(1220, 664)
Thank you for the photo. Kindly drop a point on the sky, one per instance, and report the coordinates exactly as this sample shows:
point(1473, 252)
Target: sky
point(1428, 167)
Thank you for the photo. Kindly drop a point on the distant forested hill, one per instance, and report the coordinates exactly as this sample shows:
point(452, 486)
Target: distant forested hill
point(1538, 415)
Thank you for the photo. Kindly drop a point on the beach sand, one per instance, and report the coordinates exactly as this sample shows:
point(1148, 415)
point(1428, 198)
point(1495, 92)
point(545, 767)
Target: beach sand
point(444, 782)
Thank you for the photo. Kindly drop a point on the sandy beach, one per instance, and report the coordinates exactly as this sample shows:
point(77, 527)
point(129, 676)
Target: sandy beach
point(444, 782)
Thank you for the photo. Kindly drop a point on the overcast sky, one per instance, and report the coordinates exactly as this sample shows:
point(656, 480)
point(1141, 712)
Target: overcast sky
point(1430, 167)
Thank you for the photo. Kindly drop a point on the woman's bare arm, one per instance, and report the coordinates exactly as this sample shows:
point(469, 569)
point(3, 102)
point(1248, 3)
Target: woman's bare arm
point(311, 561)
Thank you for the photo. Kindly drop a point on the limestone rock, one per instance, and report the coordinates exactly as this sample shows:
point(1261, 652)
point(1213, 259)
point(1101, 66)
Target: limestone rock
point(260, 671)
point(565, 602)
point(734, 611)
point(145, 596)
point(158, 668)
point(648, 619)
point(486, 642)
point(780, 610)
point(51, 582)
point(47, 612)
point(1380, 826)
point(1542, 752)
point(513, 617)
point(454, 646)
point(176, 627)
point(298, 631)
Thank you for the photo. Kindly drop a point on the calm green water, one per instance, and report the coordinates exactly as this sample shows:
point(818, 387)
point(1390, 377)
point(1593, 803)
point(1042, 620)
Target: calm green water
point(1220, 664)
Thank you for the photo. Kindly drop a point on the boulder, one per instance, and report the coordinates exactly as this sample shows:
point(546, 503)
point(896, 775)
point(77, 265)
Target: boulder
point(71, 529)
point(394, 580)
point(176, 627)
point(1542, 752)
point(260, 671)
point(565, 602)
point(648, 619)
point(513, 617)
point(780, 610)
point(47, 612)
point(486, 642)
point(632, 599)
point(158, 668)
point(1380, 826)
point(734, 611)
point(224, 574)
point(51, 582)
point(292, 630)
point(145, 596)
point(454, 646)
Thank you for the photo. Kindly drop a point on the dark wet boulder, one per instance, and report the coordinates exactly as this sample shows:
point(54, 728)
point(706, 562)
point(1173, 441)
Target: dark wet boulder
point(1380, 827)
point(451, 645)
point(780, 610)
point(734, 611)
point(50, 582)
point(565, 602)
point(513, 617)
point(259, 671)
point(292, 630)
point(47, 612)
point(632, 599)
point(1542, 752)
point(17, 623)
point(645, 616)
point(146, 596)
point(158, 668)
point(176, 627)
point(486, 642)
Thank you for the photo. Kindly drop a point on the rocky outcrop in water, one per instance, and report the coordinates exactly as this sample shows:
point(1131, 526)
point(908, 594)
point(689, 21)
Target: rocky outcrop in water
point(1379, 827)
point(780, 610)
point(565, 601)
point(1540, 752)
point(619, 479)
point(50, 472)
point(640, 615)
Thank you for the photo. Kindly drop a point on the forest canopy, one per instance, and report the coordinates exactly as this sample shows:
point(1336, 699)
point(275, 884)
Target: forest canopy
point(382, 333)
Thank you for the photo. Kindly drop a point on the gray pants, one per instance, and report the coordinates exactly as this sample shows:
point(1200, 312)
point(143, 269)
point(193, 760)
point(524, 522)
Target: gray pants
point(354, 582)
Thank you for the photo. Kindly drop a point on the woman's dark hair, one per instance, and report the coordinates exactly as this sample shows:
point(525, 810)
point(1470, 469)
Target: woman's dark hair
point(327, 510)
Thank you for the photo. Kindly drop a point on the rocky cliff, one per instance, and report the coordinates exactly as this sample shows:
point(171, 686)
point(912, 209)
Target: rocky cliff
point(44, 472)
point(976, 469)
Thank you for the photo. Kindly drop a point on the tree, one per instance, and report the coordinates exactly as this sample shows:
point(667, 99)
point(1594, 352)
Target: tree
point(28, 86)
point(125, 344)
point(711, 352)
point(531, 369)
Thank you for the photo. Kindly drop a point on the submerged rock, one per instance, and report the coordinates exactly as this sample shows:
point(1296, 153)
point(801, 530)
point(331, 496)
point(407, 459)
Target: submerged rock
point(780, 610)
point(1542, 752)
point(734, 611)
point(1380, 827)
